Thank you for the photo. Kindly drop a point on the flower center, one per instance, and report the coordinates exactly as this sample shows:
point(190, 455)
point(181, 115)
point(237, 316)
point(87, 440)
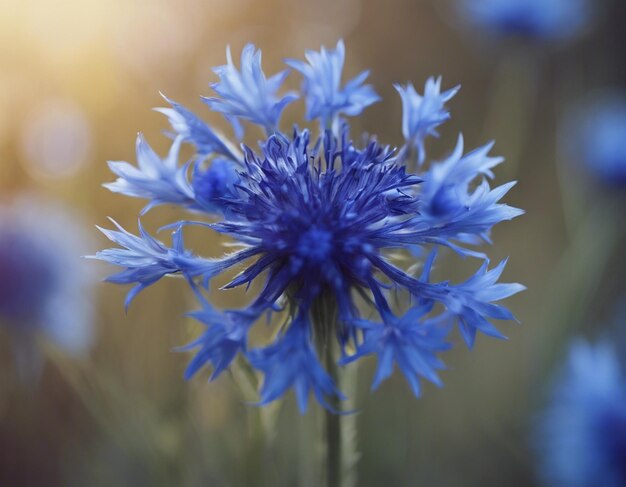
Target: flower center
point(315, 245)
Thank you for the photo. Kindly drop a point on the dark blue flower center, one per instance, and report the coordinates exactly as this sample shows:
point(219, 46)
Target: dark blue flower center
point(315, 245)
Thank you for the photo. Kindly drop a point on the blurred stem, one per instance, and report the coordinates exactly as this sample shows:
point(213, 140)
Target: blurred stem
point(255, 474)
point(332, 422)
point(90, 400)
point(511, 107)
point(569, 84)
point(576, 277)
point(261, 423)
point(112, 409)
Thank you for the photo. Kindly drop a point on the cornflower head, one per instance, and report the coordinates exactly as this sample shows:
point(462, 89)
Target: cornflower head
point(542, 20)
point(581, 436)
point(44, 288)
point(324, 225)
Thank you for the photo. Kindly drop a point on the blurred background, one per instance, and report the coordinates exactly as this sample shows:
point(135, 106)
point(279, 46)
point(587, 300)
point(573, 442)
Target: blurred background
point(78, 80)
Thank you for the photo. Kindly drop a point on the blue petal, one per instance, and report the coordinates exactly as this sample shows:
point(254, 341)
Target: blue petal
point(195, 131)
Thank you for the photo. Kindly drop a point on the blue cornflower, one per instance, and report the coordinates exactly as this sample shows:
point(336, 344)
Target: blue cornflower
point(44, 287)
point(596, 139)
point(320, 221)
point(421, 115)
point(325, 98)
point(535, 19)
point(581, 436)
point(247, 94)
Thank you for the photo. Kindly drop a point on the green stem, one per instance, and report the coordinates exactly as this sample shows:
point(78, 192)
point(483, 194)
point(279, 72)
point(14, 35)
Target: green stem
point(333, 427)
point(339, 430)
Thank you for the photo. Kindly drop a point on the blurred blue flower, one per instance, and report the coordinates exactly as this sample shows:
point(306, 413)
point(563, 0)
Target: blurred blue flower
point(421, 115)
point(535, 19)
point(325, 98)
point(581, 436)
point(247, 94)
point(45, 288)
point(320, 221)
point(596, 139)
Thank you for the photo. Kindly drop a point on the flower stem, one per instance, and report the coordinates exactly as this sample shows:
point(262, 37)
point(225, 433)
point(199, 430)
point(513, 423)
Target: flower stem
point(339, 430)
point(332, 422)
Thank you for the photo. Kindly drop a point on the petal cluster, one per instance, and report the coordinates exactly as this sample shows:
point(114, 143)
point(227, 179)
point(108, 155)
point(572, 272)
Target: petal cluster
point(246, 94)
point(422, 114)
point(159, 180)
point(194, 130)
point(321, 222)
point(326, 98)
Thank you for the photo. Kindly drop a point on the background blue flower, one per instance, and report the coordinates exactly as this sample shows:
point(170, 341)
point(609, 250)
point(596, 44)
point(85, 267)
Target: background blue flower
point(581, 436)
point(538, 19)
point(45, 288)
point(593, 136)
